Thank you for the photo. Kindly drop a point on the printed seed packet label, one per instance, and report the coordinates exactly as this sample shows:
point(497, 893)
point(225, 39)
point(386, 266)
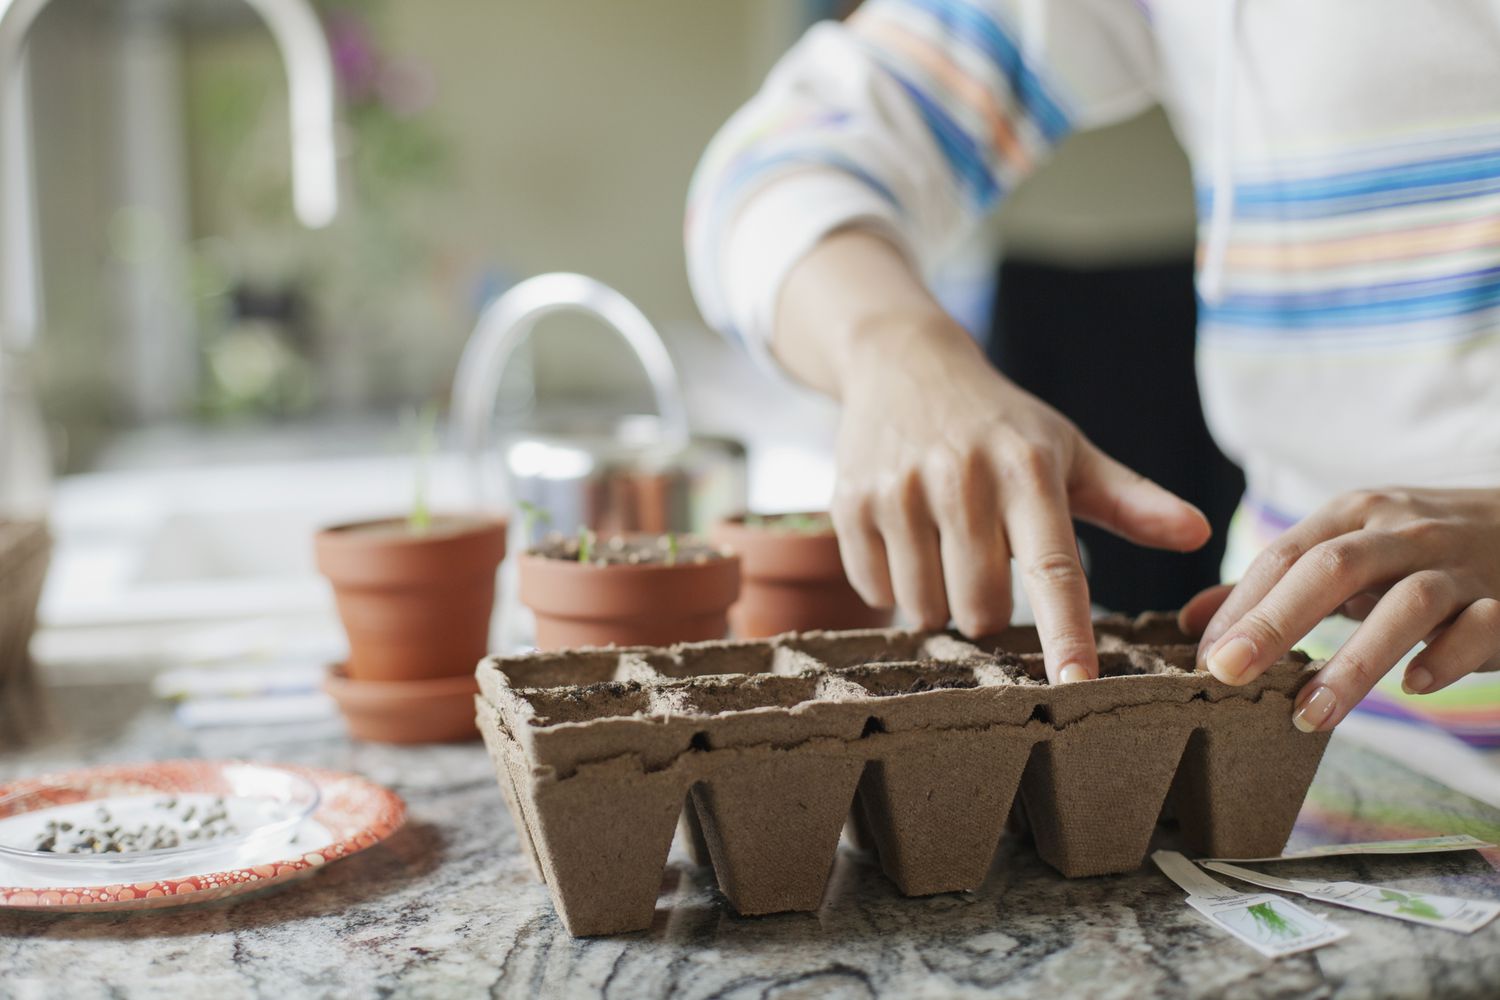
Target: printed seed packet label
point(1448, 912)
point(1271, 925)
point(1422, 845)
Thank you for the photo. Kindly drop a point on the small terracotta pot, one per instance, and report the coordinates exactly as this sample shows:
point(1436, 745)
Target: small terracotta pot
point(432, 711)
point(580, 604)
point(414, 607)
point(792, 581)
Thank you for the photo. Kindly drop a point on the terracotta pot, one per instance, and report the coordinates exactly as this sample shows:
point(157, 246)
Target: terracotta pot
point(580, 604)
point(431, 711)
point(792, 581)
point(415, 607)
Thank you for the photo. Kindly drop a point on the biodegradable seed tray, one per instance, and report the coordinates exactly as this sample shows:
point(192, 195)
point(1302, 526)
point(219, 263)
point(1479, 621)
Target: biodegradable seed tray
point(924, 740)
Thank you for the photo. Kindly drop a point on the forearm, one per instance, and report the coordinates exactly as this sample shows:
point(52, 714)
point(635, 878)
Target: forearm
point(855, 130)
point(852, 299)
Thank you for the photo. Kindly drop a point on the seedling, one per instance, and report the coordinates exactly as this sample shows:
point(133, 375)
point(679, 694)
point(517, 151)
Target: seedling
point(585, 545)
point(806, 524)
point(532, 517)
point(423, 424)
point(671, 548)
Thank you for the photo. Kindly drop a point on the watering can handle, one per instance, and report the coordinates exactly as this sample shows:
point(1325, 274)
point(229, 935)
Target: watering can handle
point(509, 320)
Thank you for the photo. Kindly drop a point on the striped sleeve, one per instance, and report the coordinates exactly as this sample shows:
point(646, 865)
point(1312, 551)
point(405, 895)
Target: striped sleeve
point(914, 118)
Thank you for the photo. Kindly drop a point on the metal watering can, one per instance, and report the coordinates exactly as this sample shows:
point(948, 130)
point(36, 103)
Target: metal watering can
point(623, 472)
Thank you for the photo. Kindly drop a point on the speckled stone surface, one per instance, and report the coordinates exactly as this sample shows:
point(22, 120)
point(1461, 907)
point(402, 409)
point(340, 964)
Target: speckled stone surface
point(448, 908)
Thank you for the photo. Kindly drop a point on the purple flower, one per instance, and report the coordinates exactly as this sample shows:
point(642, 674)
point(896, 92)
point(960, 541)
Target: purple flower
point(355, 59)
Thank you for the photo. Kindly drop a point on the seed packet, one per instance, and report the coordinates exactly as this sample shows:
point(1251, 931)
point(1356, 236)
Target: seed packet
point(1421, 845)
point(1448, 912)
point(1271, 925)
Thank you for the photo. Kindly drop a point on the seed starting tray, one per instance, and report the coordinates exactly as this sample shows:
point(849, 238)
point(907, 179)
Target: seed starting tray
point(922, 741)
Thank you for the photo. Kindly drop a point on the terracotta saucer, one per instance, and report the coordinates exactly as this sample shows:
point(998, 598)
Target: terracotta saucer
point(352, 814)
point(427, 711)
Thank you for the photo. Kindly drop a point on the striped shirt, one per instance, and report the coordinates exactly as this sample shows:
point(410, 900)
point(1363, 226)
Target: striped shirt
point(1347, 158)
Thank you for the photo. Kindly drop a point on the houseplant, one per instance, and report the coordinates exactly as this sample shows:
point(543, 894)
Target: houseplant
point(415, 595)
point(630, 589)
point(793, 577)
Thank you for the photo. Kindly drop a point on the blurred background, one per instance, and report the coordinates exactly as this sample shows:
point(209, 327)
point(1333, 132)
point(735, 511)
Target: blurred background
point(478, 143)
point(219, 349)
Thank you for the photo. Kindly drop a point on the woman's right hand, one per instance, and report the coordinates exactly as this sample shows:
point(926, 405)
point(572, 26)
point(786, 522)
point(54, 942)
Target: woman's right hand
point(946, 470)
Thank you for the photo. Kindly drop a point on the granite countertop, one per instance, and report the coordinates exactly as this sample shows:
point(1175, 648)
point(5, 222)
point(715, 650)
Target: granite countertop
point(447, 906)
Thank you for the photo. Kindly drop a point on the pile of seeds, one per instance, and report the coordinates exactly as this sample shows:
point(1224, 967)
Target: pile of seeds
point(183, 824)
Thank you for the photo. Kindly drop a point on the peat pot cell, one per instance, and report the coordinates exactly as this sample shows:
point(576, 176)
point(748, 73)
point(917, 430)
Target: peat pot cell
point(849, 649)
point(1025, 668)
point(1126, 665)
point(1021, 639)
point(1184, 657)
point(709, 659)
point(609, 700)
point(884, 681)
point(1155, 630)
point(742, 694)
point(545, 670)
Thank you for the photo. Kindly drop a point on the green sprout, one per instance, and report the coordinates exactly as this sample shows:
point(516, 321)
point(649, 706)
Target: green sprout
point(671, 548)
point(585, 544)
point(1273, 923)
point(805, 524)
point(422, 424)
point(810, 524)
point(1410, 904)
point(532, 517)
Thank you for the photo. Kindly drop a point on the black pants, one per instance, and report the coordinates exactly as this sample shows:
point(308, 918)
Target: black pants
point(1113, 350)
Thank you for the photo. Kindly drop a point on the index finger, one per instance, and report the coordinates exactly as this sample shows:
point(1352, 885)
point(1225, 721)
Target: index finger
point(1041, 537)
point(1273, 563)
point(1315, 587)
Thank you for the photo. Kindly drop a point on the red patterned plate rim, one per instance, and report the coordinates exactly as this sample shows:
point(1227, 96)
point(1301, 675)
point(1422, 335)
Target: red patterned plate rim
point(357, 812)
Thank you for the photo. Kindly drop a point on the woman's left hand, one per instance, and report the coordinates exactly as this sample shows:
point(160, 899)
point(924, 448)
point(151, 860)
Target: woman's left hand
point(1413, 565)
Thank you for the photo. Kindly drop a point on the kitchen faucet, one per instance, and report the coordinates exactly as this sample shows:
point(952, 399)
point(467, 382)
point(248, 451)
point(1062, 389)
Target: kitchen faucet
point(299, 36)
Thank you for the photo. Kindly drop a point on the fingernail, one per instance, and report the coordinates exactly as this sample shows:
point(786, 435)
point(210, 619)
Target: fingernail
point(1229, 661)
point(1072, 672)
point(1315, 710)
point(1417, 681)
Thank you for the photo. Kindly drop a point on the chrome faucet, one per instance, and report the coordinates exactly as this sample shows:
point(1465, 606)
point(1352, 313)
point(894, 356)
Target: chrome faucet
point(299, 36)
point(508, 321)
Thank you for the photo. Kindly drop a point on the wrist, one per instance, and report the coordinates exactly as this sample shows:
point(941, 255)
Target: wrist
point(908, 337)
point(854, 302)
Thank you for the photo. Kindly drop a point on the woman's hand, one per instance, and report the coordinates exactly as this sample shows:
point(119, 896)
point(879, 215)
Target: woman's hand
point(947, 471)
point(1413, 565)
